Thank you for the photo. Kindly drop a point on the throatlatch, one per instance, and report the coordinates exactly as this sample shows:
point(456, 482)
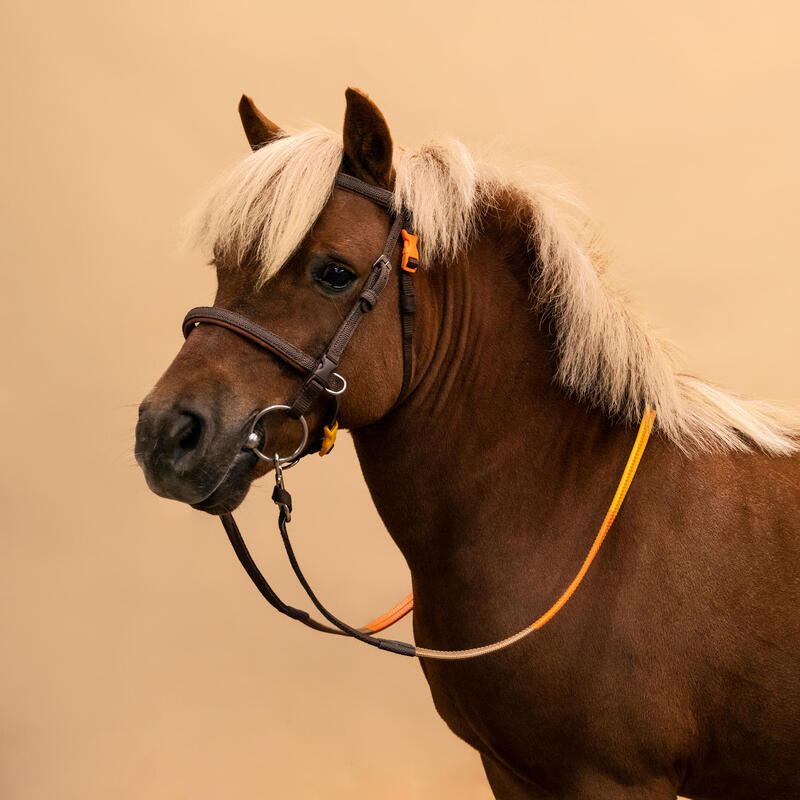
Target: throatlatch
point(322, 378)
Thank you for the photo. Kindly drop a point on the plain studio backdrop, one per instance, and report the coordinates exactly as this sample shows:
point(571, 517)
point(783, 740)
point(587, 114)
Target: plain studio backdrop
point(137, 660)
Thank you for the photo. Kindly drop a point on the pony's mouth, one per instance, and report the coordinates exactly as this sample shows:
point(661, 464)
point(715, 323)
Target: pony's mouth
point(233, 488)
point(191, 459)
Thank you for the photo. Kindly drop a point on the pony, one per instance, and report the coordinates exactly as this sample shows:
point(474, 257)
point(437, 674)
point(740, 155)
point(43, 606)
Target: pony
point(674, 667)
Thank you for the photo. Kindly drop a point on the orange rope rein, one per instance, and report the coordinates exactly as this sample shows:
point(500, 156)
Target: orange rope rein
point(390, 617)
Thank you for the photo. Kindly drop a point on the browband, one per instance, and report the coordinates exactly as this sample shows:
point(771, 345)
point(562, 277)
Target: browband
point(383, 197)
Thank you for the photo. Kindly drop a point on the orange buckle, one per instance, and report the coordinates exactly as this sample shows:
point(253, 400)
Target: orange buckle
point(328, 438)
point(410, 260)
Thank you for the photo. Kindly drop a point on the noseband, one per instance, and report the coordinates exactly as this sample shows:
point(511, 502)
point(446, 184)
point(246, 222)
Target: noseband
point(321, 378)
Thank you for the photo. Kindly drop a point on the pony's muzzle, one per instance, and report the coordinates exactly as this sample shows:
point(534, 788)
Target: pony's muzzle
point(171, 447)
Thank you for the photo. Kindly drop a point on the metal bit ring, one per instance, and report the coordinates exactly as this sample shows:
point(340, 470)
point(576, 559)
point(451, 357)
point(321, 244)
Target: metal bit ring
point(254, 438)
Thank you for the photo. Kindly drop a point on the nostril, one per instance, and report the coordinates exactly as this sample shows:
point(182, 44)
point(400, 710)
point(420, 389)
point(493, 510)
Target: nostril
point(191, 438)
point(183, 435)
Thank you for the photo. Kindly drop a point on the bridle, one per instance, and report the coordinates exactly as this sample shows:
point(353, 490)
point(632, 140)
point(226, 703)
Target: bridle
point(321, 378)
point(320, 371)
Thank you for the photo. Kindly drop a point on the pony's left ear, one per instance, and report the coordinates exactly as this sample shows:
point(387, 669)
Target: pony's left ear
point(257, 128)
point(367, 141)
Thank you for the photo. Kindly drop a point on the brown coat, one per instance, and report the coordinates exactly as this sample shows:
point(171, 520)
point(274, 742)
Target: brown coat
point(674, 668)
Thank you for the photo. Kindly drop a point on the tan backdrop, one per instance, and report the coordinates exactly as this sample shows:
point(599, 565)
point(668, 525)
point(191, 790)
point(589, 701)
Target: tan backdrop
point(137, 661)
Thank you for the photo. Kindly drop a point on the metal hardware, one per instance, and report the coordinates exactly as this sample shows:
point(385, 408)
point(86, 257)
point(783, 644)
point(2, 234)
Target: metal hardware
point(338, 391)
point(253, 439)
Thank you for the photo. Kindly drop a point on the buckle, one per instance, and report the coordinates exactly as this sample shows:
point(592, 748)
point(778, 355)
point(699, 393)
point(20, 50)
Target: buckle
point(323, 371)
point(381, 263)
point(280, 495)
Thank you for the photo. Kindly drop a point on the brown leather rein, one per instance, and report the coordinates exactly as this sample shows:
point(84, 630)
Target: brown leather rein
point(322, 378)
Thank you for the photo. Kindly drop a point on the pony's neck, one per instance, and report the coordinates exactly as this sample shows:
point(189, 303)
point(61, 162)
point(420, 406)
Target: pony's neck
point(485, 428)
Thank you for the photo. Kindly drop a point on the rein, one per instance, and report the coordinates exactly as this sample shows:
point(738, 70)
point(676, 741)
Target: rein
point(322, 377)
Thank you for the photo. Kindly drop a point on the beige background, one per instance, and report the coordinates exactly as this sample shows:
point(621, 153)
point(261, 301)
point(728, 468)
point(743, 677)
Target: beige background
point(137, 661)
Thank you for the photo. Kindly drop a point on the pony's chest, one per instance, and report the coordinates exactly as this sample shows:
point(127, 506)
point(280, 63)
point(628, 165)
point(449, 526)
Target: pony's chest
point(496, 704)
point(529, 704)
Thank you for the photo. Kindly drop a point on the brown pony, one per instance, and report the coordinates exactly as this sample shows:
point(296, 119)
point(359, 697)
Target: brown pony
point(674, 668)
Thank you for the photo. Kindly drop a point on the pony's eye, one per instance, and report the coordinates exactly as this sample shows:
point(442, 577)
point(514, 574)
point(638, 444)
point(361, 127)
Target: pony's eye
point(334, 277)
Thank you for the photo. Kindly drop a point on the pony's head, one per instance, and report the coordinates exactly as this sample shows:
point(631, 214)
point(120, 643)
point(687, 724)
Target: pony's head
point(291, 253)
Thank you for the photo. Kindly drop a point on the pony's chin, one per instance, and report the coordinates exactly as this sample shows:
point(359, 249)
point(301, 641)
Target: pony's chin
point(229, 495)
point(223, 500)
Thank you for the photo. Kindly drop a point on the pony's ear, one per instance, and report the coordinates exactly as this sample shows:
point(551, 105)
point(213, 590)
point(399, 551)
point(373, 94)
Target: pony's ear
point(367, 141)
point(258, 129)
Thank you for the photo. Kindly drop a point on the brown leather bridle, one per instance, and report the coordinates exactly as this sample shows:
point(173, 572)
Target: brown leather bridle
point(321, 377)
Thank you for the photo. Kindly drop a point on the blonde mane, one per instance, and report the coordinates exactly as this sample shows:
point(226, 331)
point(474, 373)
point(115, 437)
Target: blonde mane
point(266, 205)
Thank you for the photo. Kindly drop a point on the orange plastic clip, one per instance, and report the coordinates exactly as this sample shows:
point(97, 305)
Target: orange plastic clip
point(328, 438)
point(410, 260)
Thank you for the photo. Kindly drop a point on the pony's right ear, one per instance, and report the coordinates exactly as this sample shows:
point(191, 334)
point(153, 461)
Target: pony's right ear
point(258, 129)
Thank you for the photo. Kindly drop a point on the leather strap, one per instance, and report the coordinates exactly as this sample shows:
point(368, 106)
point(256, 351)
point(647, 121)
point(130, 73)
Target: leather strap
point(323, 370)
point(260, 582)
point(248, 329)
point(382, 197)
point(394, 646)
point(408, 310)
